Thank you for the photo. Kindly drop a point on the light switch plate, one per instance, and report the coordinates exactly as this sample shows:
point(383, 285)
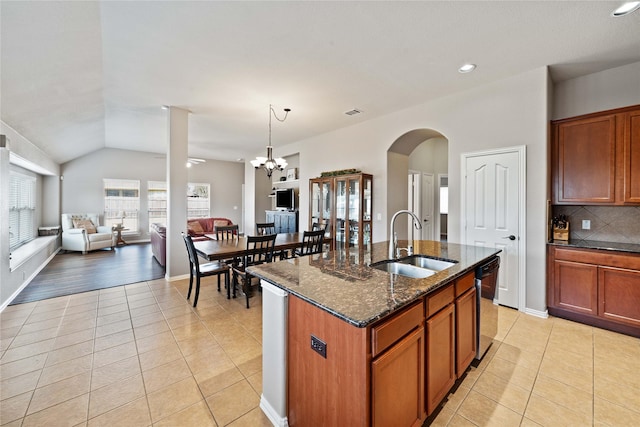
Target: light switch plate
point(586, 224)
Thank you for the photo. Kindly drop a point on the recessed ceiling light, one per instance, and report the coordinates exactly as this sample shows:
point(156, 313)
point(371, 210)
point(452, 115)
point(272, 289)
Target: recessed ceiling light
point(467, 68)
point(626, 8)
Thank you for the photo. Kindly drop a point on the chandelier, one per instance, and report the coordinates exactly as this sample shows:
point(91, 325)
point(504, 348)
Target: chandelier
point(269, 163)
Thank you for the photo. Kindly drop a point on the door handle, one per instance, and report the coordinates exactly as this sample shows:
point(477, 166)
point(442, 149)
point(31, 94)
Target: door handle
point(511, 237)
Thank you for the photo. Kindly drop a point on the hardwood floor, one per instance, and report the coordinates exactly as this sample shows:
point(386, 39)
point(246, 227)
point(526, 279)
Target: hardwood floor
point(72, 272)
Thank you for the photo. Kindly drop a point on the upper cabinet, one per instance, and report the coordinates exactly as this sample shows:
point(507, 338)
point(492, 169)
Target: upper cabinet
point(632, 157)
point(596, 158)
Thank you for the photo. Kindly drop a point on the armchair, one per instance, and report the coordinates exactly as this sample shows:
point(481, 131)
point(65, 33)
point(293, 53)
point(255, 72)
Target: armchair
point(84, 239)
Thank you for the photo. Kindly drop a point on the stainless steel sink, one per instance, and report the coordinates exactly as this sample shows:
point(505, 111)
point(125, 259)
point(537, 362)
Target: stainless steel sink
point(415, 266)
point(404, 269)
point(426, 262)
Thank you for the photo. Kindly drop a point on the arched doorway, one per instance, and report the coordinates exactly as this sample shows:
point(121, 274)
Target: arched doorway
point(413, 159)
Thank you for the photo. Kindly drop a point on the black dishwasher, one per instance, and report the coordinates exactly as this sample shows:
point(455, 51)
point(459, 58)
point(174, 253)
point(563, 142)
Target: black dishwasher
point(487, 304)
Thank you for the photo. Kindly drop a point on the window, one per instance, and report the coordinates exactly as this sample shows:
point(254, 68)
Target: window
point(22, 209)
point(198, 201)
point(122, 203)
point(444, 194)
point(157, 198)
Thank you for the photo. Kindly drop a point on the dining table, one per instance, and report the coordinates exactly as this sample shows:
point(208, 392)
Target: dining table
point(214, 250)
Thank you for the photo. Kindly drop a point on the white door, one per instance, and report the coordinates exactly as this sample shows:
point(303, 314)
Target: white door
point(426, 211)
point(421, 204)
point(493, 197)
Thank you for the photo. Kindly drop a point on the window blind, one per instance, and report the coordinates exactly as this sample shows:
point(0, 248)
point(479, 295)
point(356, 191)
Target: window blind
point(122, 203)
point(22, 207)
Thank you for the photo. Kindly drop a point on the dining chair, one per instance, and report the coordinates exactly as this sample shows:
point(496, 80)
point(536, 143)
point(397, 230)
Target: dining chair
point(317, 226)
point(311, 243)
point(226, 232)
point(259, 251)
point(263, 228)
point(197, 270)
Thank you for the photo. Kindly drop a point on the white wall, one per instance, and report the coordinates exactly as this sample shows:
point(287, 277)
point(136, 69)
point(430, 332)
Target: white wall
point(82, 187)
point(48, 208)
point(510, 112)
point(606, 90)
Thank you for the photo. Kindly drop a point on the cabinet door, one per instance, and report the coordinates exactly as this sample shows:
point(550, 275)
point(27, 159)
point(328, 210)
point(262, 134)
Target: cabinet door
point(576, 287)
point(441, 368)
point(397, 383)
point(619, 295)
point(585, 160)
point(466, 328)
point(632, 158)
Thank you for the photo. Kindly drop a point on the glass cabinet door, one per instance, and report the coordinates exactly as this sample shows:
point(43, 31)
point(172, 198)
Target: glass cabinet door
point(366, 212)
point(341, 212)
point(315, 202)
point(354, 211)
point(327, 197)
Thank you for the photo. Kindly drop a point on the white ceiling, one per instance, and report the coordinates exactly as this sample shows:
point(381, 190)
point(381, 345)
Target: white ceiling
point(80, 76)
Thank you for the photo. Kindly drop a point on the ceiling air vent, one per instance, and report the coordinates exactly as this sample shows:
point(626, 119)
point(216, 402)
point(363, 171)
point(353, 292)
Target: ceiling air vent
point(353, 112)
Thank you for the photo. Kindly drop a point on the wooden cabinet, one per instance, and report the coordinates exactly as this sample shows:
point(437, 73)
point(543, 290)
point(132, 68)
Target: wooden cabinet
point(397, 370)
point(596, 287)
point(466, 327)
point(631, 157)
point(619, 292)
point(344, 204)
point(576, 286)
point(285, 222)
point(441, 368)
point(392, 373)
point(595, 159)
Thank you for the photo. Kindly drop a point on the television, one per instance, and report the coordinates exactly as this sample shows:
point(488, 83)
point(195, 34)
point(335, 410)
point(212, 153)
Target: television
point(285, 199)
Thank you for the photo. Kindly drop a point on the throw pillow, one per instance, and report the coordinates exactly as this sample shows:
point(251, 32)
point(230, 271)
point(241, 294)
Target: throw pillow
point(195, 228)
point(87, 224)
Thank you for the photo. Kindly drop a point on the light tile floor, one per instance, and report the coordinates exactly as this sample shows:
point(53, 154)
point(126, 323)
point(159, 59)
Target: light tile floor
point(140, 355)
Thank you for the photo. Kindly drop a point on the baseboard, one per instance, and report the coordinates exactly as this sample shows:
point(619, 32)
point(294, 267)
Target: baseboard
point(28, 280)
point(271, 413)
point(537, 313)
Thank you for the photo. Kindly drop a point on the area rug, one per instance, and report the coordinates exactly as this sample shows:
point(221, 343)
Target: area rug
point(72, 272)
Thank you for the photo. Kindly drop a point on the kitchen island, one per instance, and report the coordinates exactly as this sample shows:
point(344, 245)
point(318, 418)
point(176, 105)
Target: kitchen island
point(347, 344)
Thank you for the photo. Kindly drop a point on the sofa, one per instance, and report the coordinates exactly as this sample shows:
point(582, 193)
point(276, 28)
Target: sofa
point(158, 236)
point(197, 228)
point(83, 232)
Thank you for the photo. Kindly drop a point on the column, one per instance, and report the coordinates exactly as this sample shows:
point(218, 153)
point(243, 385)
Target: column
point(177, 180)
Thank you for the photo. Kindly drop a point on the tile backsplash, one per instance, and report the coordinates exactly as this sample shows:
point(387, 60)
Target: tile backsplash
point(608, 223)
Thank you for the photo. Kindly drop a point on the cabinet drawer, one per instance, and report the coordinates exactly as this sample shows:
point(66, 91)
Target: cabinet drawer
point(464, 283)
point(599, 257)
point(439, 299)
point(384, 335)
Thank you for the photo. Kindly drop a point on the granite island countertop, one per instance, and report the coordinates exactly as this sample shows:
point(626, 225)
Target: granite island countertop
point(594, 244)
point(342, 283)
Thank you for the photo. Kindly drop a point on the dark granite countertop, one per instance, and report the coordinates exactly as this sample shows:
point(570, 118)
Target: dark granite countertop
point(342, 283)
point(594, 244)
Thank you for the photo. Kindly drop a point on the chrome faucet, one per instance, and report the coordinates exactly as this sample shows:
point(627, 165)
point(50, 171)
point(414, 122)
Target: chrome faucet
point(394, 251)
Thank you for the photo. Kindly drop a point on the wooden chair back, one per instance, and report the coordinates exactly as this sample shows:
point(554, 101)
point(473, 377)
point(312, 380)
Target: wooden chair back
point(311, 242)
point(263, 228)
point(226, 232)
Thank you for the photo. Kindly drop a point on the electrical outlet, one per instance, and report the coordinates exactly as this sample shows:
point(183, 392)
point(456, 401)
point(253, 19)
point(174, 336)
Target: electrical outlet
point(319, 346)
point(586, 224)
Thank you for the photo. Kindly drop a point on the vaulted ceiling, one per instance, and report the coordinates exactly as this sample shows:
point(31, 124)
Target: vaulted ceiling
point(79, 76)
